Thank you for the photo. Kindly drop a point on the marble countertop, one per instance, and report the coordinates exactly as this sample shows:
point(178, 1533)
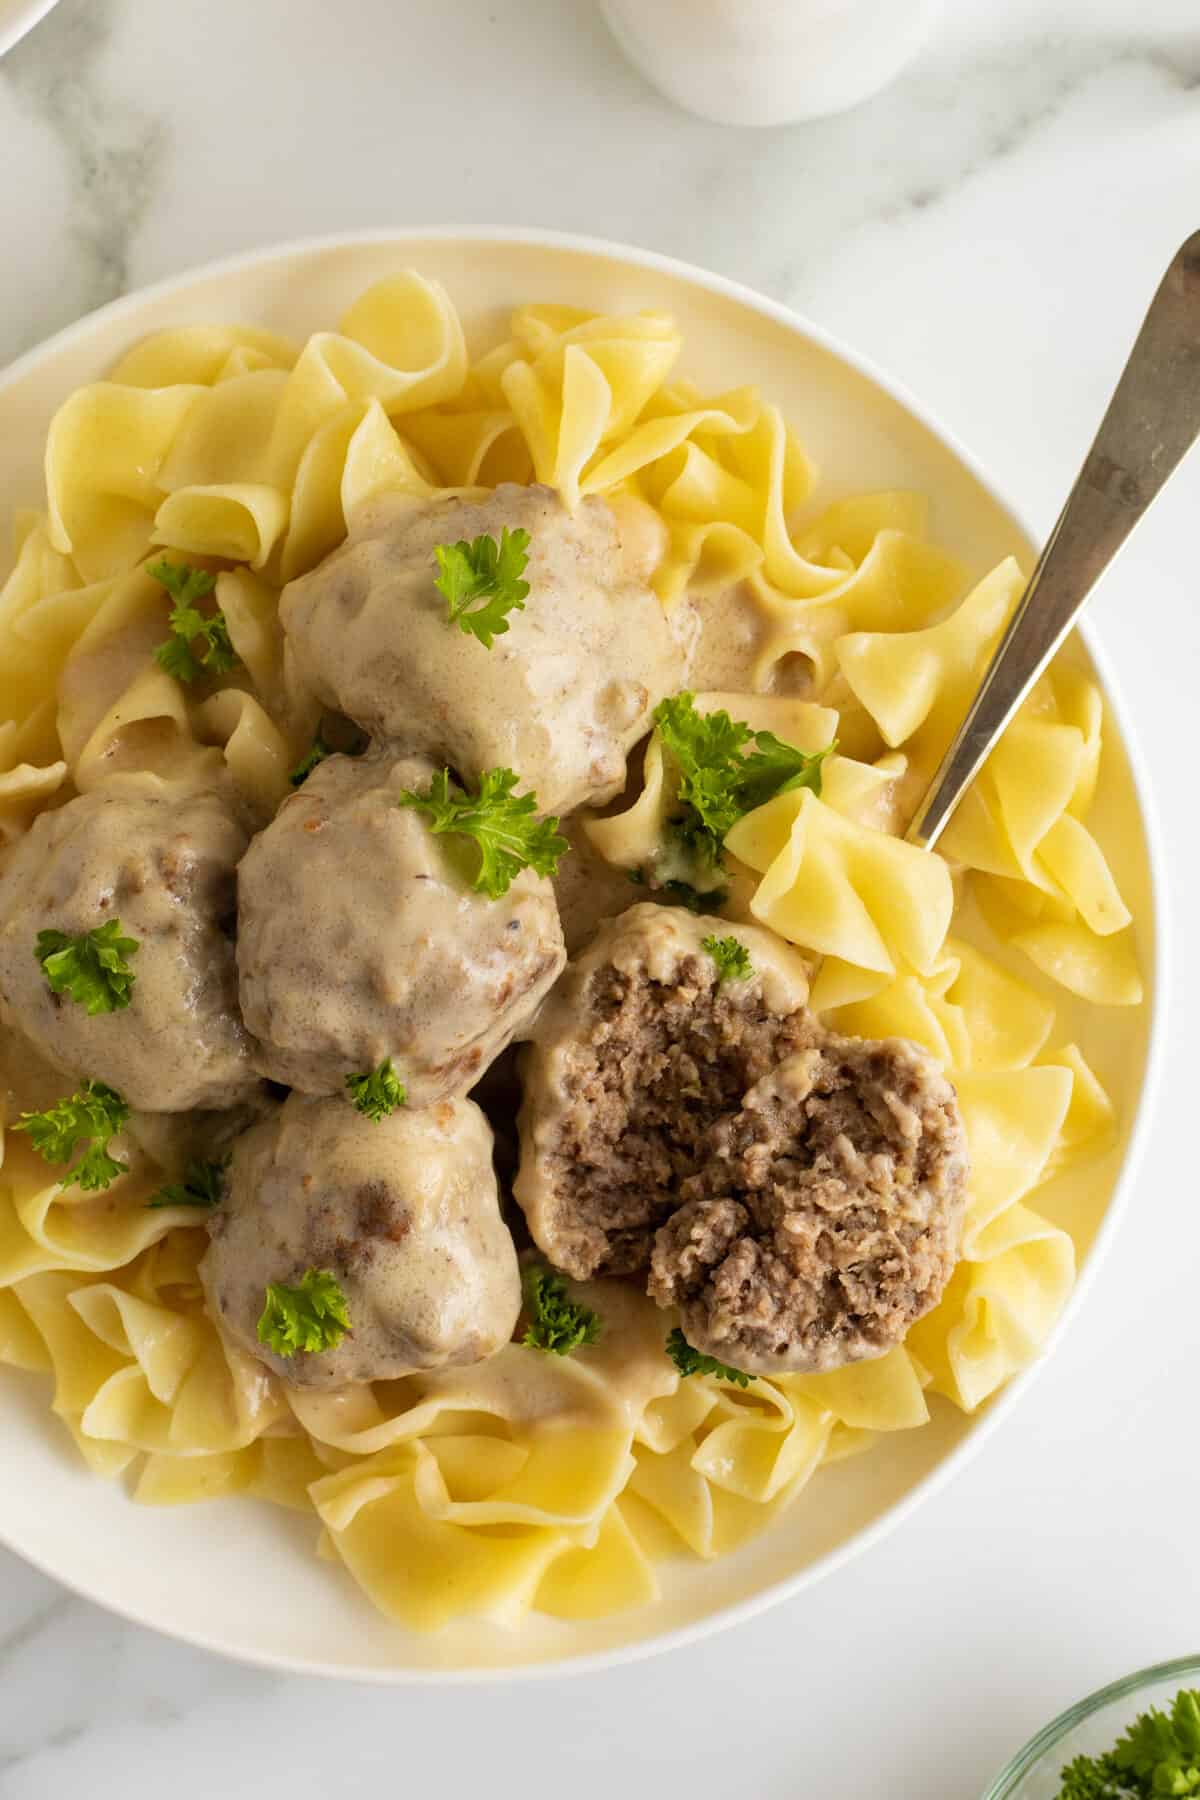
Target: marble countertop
point(989, 230)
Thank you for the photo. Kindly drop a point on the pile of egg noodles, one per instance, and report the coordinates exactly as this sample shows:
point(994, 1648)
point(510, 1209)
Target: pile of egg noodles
point(235, 446)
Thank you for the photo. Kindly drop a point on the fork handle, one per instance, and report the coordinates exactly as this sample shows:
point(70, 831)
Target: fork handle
point(1152, 421)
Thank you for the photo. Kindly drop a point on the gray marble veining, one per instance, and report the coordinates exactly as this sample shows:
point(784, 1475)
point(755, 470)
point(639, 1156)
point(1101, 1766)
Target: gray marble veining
point(948, 120)
point(113, 149)
point(261, 132)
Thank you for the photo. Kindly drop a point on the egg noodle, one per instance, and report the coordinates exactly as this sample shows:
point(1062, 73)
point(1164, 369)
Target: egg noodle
point(534, 1480)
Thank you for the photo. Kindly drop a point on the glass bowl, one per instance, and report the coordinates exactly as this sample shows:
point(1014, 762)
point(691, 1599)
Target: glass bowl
point(1089, 1728)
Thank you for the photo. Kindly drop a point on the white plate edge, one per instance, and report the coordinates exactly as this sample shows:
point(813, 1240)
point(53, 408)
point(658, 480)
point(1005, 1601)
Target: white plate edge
point(864, 1540)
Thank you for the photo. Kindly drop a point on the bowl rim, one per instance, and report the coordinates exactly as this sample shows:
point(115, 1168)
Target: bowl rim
point(997, 1410)
point(1005, 1786)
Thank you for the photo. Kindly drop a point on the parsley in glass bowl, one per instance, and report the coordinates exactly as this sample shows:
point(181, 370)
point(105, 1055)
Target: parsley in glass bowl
point(1063, 1761)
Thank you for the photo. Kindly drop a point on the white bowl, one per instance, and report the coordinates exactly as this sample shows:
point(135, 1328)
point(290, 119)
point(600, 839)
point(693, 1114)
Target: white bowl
point(770, 62)
point(19, 16)
point(241, 1578)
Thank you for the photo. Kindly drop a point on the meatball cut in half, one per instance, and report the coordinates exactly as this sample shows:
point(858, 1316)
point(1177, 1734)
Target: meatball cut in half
point(163, 866)
point(564, 689)
point(826, 1214)
point(361, 939)
point(640, 1048)
point(403, 1213)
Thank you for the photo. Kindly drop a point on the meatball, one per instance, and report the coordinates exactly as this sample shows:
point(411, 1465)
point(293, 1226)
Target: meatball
point(164, 866)
point(402, 1212)
point(636, 1053)
point(360, 938)
point(559, 697)
point(825, 1215)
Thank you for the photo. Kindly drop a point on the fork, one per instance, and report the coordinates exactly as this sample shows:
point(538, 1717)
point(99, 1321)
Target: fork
point(1152, 421)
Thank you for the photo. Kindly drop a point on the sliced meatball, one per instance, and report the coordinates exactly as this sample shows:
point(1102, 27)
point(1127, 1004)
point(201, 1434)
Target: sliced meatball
point(163, 864)
point(636, 1053)
point(402, 1212)
point(826, 1214)
point(360, 938)
point(559, 697)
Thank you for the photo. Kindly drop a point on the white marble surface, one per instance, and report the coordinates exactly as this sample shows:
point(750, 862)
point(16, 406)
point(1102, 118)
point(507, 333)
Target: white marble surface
point(989, 230)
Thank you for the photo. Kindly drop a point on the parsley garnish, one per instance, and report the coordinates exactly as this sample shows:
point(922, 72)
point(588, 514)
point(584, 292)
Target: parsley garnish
point(316, 753)
point(503, 824)
point(718, 783)
point(1159, 1754)
point(691, 1362)
point(379, 1093)
point(731, 957)
point(683, 893)
point(706, 749)
point(486, 571)
point(203, 1184)
point(556, 1322)
point(186, 585)
point(310, 1317)
point(92, 1115)
point(774, 767)
point(91, 968)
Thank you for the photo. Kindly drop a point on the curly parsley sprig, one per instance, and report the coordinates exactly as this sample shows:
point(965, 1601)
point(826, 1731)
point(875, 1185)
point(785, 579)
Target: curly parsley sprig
point(706, 749)
point(305, 1319)
point(203, 1185)
point(692, 1362)
point(505, 826)
point(774, 767)
point(731, 957)
point(379, 1093)
point(557, 1323)
point(189, 626)
point(92, 1115)
point(483, 571)
point(718, 781)
point(91, 967)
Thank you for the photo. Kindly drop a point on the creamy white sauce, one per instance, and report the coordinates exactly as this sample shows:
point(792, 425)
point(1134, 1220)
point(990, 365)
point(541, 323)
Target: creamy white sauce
point(403, 1211)
point(738, 648)
point(562, 692)
point(362, 939)
point(164, 868)
point(355, 947)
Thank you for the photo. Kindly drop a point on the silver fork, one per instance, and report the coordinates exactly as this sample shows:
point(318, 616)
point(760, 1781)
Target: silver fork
point(1152, 421)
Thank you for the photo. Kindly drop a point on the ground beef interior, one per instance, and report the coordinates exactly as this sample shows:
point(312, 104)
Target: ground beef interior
point(655, 1050)
point(826, 1212)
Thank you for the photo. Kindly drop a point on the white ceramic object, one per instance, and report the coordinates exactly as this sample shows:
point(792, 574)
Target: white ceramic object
point(769, 62)
point(19, 16)
point(241, 1578)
